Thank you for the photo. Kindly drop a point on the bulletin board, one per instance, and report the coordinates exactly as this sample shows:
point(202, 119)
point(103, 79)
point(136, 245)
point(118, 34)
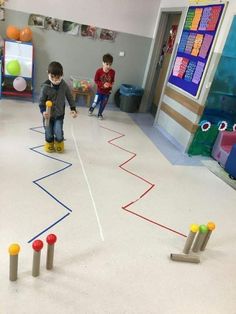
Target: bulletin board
point(195, 46)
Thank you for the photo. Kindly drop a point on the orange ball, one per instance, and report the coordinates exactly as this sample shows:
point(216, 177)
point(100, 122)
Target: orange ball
point(13, 32)
point(26, 34)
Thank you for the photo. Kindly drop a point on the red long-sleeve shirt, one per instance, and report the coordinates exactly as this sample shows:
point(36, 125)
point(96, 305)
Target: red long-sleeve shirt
point(101, 78)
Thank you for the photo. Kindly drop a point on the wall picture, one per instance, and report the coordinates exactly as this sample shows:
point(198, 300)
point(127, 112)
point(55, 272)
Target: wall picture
point(36, 20)
point(88, 31)
point(53, 24)
point(70, 28)
point(2, 14)
point(107, 34)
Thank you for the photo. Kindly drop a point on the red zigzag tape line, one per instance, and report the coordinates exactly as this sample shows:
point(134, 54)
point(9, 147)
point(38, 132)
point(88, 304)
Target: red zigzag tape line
point(139, 177)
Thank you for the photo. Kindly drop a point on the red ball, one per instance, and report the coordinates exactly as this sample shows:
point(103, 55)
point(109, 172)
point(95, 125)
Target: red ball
point(37, 245)
point(51, 239)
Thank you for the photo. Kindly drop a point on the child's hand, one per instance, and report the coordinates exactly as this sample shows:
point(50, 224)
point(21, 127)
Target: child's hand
point(73, 113)
point(107, 85)
point(45, 115)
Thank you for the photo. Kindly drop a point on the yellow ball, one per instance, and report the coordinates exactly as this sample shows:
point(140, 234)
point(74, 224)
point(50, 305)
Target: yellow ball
point(48, 103)
point(194, 228)
point(14, 249)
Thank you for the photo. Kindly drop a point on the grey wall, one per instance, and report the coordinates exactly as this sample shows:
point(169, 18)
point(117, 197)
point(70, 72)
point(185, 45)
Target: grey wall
point(82, 56)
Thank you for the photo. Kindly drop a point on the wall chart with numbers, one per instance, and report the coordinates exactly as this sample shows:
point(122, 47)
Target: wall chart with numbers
point(195, 46)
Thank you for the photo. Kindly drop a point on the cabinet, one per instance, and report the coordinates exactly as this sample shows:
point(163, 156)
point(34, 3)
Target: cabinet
point(18, 70)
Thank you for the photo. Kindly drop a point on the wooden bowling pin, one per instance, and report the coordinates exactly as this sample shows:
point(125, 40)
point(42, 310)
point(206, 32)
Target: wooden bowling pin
point(184, 258)
point(37, 247)
point(51, 240)
point(200, 238)
point(48, 111)
point(13, 250)
point(192, 233)
point(211, 226)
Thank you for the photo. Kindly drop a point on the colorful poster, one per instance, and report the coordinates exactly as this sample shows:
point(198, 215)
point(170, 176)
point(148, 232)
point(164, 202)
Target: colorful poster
point(195, 45)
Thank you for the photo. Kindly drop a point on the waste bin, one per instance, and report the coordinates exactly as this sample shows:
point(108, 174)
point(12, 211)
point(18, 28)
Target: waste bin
point(117, 98)
point(130, 97)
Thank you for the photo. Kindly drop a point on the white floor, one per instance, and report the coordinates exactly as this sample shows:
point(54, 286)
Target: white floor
point(119, 208)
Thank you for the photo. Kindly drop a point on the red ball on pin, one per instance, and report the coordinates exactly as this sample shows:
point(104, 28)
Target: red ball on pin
point(51, 239)
point(37, 245)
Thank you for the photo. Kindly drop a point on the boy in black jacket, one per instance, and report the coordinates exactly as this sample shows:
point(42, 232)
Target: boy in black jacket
point(57, 91)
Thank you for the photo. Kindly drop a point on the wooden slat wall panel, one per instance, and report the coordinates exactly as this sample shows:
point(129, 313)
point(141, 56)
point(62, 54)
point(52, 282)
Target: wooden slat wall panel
point(178, 117)
point(184, 101)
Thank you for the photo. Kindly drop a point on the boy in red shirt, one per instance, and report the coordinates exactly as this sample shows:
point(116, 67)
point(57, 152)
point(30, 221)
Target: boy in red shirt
point(104, 79)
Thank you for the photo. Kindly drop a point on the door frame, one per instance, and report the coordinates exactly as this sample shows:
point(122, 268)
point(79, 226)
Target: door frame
point(154, 55)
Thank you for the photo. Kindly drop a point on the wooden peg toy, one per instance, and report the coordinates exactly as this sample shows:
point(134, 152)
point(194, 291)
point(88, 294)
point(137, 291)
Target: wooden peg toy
point(48, 111)
point(51, 240)
point(37, 247)
point(13, 250)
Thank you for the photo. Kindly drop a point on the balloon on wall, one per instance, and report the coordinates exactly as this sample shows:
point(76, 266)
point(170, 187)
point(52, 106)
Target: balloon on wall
point(13, 32)
point(13, 67)
point(26, 34)
point(19, 84)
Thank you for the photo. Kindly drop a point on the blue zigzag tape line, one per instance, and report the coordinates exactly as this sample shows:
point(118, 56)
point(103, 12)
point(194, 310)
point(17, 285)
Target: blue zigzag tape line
point(35, 129)
point(49, 227)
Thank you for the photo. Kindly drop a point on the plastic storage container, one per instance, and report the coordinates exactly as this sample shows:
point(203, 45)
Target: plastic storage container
point(130, 97)
point(81, 84)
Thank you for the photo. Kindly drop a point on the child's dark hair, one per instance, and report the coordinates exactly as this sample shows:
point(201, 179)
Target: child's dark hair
point(107, 58)
point(55, 68)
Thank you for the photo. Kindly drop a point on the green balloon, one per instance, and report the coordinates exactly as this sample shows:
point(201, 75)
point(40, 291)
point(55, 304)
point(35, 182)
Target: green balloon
point(13, 67)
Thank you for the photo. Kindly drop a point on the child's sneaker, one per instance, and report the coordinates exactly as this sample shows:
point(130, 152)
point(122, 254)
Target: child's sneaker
point(49, 147)
point(100, 117)
point(90, 111)
point(59, 147)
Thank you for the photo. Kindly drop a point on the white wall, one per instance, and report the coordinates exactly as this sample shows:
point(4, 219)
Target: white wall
point(129, 16)
point(82, 56)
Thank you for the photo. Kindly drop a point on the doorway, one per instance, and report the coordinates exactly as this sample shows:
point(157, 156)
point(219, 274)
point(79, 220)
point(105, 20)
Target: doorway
point(164, 60)
point(159, 59)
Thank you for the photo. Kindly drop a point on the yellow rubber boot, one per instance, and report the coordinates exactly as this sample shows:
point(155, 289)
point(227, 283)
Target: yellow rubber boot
point(59, 146)
point(49, 147)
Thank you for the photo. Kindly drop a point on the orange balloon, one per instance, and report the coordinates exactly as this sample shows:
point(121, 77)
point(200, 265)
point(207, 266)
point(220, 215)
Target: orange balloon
point(13, 32)
point(26, 34)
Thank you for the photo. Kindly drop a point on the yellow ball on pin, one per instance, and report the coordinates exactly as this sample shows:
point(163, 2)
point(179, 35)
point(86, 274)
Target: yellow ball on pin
point(14, 249)
point(194, 228)
point(49, 103)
